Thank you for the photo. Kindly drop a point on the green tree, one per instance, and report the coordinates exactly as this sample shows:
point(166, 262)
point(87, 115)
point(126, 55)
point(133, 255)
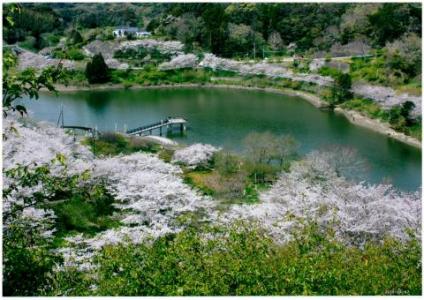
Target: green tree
point(404, 55)
point(400, 115)
point(285, 149)
point(392, 20)
point(215, 21)
point(267, 154)
point(153, 24)
point(226, 163)
point(97, 71)
point(406, 110)
point(35, 21)
point(340, 91)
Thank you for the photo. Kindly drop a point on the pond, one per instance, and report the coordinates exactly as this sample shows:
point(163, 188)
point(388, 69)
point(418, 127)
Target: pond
point(223, 117)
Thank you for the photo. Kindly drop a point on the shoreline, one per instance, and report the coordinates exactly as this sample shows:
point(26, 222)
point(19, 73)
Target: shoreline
point(375, 125)
point(311, 98)
point(352, 116)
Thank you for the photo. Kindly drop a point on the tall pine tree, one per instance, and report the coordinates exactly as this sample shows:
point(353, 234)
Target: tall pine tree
point(97, 71)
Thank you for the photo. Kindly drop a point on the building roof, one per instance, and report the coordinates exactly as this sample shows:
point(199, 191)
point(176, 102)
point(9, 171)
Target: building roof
point(128, 29)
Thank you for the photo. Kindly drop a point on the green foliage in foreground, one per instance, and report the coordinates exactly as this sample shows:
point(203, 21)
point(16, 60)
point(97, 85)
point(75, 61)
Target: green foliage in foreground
point(27, 260)
point(109, 144)
point(80, 206)
point(242, 261)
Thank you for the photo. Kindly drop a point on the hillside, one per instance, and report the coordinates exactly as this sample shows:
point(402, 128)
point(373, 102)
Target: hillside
point(239, 209)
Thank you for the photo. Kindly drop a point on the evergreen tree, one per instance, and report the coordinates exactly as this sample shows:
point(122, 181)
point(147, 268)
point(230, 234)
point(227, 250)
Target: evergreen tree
point(97, 71)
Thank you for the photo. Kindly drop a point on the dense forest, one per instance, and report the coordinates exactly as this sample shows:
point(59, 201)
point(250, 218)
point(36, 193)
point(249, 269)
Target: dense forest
point(238, 30)
point(228, 29)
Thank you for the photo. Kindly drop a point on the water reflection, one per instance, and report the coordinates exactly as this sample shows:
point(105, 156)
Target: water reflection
point(224, 117)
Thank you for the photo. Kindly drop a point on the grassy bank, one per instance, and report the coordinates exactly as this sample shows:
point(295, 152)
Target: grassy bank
point(393, 117)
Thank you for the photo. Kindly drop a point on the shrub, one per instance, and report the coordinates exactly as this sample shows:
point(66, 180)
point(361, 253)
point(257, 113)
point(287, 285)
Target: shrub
point(60, 53)
point(328, 71)
point(261, 173)
point(166, 155)
point(131, 53)
point(367, 106)
point(74, 77)
point(400, 116)
point(152, 76)
point(75, 54)
point(267, 154)
point(29, 43)
point(140, 144)
point(111, 143)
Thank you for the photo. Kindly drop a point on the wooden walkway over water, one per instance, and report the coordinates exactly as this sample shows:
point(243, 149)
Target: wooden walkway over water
point(170, 123)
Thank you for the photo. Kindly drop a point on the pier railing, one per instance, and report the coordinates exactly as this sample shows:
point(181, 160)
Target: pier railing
point(168, 123)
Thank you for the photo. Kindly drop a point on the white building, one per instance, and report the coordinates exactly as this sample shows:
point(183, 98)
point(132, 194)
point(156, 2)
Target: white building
point(124, 31)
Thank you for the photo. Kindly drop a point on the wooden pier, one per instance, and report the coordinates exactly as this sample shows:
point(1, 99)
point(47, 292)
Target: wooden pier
point(170, 124)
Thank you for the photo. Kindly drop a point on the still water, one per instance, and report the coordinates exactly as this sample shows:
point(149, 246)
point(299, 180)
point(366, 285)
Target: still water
point(223, 117)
